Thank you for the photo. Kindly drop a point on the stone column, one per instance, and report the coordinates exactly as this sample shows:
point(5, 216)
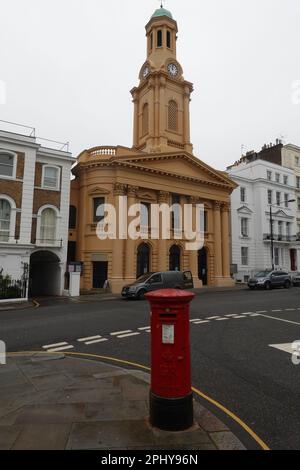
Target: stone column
point(193, 255)
point(136, 121)
point(186, 120)
point(162, 261)
point(130, 268)
point(218, 243)
point(225, 240)
point(117, 278)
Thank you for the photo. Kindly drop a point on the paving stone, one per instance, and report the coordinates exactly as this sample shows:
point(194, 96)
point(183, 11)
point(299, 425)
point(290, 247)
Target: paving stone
point(135, 391)
point(226, 441)
point(38, 357)
point(134, 410)
point(208, 421)
point(42, 414)
point(194, 436)
point(43, 437)
point(50, 381)
point(107, 434)
point(114, 373)
point(9, 378)
point(8, 436)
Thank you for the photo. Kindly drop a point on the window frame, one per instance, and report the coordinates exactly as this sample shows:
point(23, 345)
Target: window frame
point(243, 194)
point(245, 220)
point(243, 256)
point(14, 172)
point(94, 211)
point(51, 188)
point(12, 220)
point(56, 241)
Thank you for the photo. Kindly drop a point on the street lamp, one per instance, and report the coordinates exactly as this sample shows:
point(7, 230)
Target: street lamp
point(271, 227)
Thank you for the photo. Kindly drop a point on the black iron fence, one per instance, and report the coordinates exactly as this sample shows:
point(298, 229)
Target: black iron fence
point(11, 289)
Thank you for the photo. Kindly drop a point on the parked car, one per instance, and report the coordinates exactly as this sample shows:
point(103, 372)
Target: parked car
point(270, 279)
point(296, 279)
point(155, 281)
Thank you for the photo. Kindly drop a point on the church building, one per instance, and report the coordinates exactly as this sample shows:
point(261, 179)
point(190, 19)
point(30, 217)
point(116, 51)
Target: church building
point(160, 167)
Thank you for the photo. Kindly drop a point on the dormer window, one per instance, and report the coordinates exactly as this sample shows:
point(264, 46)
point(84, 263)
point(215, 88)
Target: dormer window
point(159, 38)
point(51, 176)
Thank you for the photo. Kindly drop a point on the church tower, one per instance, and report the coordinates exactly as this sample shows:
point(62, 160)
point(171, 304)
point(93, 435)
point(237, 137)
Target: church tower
point(162, 99)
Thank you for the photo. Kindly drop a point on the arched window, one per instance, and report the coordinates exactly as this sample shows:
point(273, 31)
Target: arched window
point(159, 38)
point(72, 217)
point(173, 116)
point(5, 219)
point(169, 39)
point(174, 258)
point(143, 260)
point(48, 227)
point(145, 125)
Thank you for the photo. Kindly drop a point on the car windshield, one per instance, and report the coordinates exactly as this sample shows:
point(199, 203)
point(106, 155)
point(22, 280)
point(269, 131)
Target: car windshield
point(262, 274)
point(143, 278)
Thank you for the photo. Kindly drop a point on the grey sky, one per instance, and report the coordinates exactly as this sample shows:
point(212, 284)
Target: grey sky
point(69, 65)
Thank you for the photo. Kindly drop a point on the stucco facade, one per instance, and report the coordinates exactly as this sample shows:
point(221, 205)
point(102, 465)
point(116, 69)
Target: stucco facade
point(159, 168)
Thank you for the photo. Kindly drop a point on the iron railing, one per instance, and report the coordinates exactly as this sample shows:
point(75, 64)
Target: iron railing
point(12, 289)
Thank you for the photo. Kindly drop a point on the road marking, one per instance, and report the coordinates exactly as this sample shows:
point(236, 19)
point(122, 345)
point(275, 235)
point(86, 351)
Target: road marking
point(247, 313)
point(281, 319)
point(212, 318)
point(130, 334)
point(96, 341)
point(286, 347)
point(63, 348)
point(290, 309)
point(117, 333)
point(255, 315)
point(221, 319)
point(261, 311)
point(55, 345)
point(279, 310)
point(231, 315)
point(145, 328)
point(89, 338)
point(195, 319)
point(202, 321)
point(239, 316)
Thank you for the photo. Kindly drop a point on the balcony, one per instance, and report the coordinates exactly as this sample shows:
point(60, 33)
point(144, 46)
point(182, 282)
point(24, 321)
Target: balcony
point(282, 238)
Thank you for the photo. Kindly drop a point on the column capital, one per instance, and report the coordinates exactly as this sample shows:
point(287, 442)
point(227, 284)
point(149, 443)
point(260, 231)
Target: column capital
point(119, 189)
point(132, 190)
point(218, 205)
point(194, 200)
point(225, 207)
point(163, 196)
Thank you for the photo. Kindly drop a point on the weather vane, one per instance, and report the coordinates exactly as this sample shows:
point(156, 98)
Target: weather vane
point(161, 3)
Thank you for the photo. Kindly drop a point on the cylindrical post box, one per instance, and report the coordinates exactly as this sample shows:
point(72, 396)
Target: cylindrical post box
point(171, 397)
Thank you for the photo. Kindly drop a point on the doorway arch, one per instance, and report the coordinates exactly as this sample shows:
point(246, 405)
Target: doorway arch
point(203, 266)
point(143, 259)
point(44, 274)
point(174, 258)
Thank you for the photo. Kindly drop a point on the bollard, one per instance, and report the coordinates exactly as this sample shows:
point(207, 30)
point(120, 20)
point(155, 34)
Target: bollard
point(171, 397)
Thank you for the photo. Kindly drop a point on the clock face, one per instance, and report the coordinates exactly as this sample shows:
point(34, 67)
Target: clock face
point(173, 70)
point(146, 71)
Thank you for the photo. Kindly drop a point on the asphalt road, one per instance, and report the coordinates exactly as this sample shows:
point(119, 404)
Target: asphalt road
point(232, 359)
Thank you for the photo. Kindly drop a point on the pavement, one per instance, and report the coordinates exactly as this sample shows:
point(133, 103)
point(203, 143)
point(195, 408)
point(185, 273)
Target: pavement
point(56, 402)
point(6, 306)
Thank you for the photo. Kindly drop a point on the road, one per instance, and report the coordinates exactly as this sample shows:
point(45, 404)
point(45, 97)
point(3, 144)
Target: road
point(231, 334)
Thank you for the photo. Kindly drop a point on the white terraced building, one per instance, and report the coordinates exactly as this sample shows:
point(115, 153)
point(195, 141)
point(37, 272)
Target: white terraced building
point(263, 185)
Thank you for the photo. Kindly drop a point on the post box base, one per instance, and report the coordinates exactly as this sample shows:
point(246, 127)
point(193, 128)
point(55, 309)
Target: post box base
point(171, 414)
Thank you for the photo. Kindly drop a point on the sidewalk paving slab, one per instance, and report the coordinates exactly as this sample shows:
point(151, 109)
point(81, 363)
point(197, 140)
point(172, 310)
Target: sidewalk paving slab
point(56, 402)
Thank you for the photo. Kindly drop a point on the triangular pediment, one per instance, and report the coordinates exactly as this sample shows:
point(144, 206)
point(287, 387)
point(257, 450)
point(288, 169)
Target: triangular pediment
point(244, 210)
point(98, 190)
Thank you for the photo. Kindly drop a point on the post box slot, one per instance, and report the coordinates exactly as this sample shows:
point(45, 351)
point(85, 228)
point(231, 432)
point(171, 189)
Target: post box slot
point(167, 315)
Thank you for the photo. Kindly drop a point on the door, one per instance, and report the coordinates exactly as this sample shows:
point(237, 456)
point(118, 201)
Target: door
point(202, 266)
point(100, 269)
point(293, 256)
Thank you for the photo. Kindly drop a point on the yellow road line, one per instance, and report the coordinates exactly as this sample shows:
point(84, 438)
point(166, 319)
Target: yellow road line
point(225, 410)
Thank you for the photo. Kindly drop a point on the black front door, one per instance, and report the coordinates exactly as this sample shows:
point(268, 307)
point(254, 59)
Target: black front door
point(100, 269)
point(202, 266)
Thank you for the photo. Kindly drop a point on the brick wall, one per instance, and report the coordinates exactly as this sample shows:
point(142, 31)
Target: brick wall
point(12, 189)
point(43, 197)
point(20, 165)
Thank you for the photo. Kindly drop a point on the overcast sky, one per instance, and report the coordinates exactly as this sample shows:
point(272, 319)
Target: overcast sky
point(69, 65)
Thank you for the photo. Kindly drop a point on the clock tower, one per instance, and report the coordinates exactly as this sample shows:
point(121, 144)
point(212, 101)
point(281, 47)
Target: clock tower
point(162, 98)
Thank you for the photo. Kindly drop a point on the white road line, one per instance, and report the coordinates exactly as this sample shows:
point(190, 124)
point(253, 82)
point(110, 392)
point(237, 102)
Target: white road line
point(117, 333)
point(255, 315)
point(55, 345)
point(130, 334)
point(221, 319)
point(290, 309)
point(247, 313)
point(212, 318)
point(145, 328)
point(281, 319)
point(286, 347)
point(195, 319)
point(90, 338)
point(231, 315)
point(261, 311)
point(96, 341)
point(200, 322)
point(239, 316)
point(279, 310)
point(64, 348)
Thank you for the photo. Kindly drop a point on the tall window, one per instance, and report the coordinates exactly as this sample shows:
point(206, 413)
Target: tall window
point(7, 164)
point(280, 231)
point(269, 175)
point(286, 200)
point(98, 209)
point(297, 161)
point(277, 177)
point(159, 38)
point(270, 196)
point(245, 255)
point(174, 258)
point(169, 39)
point(143, 260)
point(278, 196)
point(5, 214)
point(48, 227)
point(298, 203)
point(173, 116)
point(243, 194)
point(288, 229)
point(244, 227)
point(72, 217)
point(285, 180)
point(175, 221)
point(151, 41)
point(51, 177)
point(145, 124)
point(276, 256)
point(145, 215)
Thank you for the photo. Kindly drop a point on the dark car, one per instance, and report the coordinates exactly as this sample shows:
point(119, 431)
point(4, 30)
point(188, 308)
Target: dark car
point(270, 279)
point(155, 281)
point(296, 279)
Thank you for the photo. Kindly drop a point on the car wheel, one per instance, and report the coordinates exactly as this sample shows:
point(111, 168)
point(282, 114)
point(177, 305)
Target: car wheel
point(287, 284)
point(141, 294)
point(268, 285)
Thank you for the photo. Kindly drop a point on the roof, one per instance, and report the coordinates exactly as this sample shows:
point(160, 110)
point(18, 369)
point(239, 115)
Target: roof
point(162, 12)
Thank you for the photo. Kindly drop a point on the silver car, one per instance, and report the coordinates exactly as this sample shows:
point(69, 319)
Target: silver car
point(270, 279)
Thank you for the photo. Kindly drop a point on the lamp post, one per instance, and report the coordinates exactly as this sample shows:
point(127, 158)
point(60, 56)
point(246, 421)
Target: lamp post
point(271, 231)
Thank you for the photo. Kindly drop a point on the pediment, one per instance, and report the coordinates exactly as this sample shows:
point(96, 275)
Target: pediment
point(245, 210)
point(98, 190)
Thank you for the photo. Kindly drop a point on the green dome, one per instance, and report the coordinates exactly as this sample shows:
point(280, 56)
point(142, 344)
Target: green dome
point(162, 12)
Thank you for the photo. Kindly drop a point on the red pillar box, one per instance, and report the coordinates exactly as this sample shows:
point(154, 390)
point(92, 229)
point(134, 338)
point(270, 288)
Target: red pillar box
point(171, 398)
